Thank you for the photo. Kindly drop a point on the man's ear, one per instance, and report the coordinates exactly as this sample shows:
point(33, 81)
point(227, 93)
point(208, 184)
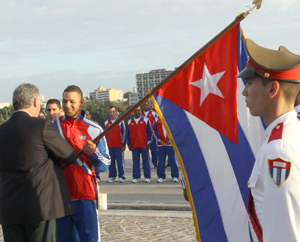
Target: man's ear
point(274, 89)
point(35, 102)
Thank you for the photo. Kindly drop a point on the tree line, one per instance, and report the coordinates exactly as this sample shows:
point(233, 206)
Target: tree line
point(98, 109)
point(5, 113)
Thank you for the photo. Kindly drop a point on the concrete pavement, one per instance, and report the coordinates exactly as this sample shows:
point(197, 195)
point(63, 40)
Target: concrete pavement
point(147, 225)
point(145, 211)
point(141, 193)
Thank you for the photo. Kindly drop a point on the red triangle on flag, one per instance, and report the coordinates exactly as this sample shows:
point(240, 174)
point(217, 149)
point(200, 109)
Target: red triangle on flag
point(207, 86)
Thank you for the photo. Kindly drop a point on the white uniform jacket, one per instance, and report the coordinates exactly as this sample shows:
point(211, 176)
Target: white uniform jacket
point(297, 108)
point(275, 181)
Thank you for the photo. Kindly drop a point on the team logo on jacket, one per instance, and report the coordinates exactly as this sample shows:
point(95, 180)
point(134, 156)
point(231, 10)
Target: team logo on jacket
point(279, 170)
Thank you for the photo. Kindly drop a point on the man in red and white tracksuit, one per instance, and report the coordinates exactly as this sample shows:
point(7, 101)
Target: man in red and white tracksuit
point(80, 176)
point(164, 148)
point(116, 145)
point(139, 136)
point(151, 115)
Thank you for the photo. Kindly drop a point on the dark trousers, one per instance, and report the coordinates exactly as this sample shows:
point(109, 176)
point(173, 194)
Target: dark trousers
point(136, 170)
point(81, 226)
point(44, 231)
point(153, 148)
point(163, 151)
point(116, 155)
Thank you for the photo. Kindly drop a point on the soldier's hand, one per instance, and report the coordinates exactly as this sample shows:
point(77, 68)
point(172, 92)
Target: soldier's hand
point(147, 147)
point(130, 147)
point(123, 148)
point(89, 148)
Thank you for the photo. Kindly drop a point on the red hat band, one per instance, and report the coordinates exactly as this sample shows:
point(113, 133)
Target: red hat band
point(293, 74)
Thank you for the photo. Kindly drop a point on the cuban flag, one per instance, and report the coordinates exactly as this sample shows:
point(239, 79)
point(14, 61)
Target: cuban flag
point(214, 136)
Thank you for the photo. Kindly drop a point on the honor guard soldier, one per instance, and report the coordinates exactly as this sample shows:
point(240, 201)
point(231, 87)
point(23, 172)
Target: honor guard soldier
point(273, 82)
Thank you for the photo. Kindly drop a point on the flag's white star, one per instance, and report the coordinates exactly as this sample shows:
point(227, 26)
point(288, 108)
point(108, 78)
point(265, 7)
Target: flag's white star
point(208, 84)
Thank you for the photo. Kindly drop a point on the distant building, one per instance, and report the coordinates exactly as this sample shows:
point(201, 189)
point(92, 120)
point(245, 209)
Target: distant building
point(120, 95)
point(134, 89)
point(43, 102)
point(2, 105)
point(133, 99)
point(147, 81)
point(106, 94)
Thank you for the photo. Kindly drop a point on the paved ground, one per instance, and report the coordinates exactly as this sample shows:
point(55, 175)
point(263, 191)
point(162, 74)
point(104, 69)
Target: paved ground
point(141, 192)
point(147, 226)
point(144, 211)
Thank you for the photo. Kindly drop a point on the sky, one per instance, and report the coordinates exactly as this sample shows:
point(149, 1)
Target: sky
point(56, 43)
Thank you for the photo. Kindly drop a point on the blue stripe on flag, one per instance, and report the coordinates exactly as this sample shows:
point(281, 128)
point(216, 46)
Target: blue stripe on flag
point(201, 186)
point(242, 161)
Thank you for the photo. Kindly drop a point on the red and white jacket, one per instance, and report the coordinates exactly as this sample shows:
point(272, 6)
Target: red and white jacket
point(116, 137)
point(151, 115)
point(160, 133)
point(139, 132)
point(80, 176)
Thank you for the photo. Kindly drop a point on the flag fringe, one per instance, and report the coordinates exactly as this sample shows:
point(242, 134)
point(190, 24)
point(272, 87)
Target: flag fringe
point(170, 136)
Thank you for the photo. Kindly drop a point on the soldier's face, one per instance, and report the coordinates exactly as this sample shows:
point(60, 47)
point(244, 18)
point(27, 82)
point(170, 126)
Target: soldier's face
point(257, 96)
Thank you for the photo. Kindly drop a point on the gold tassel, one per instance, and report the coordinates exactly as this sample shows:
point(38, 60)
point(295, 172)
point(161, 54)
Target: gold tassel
point(243, 34)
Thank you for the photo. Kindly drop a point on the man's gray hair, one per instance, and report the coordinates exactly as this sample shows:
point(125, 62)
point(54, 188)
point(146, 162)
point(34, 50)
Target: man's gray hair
point(24, 95)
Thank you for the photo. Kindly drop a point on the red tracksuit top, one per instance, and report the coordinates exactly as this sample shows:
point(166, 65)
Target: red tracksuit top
point(81, 180)
point(138, 133)
point(151, 116)
point(116, 137)
point(159, 132)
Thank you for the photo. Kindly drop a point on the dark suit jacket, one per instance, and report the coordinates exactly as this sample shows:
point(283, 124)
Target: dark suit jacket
point(32, 182)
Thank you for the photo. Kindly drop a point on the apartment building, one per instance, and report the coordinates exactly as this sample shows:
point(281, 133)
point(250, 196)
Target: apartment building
point(106, 94)
point(147, 81)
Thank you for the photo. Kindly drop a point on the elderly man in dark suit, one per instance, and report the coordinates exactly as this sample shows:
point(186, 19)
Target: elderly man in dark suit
point(33, 190)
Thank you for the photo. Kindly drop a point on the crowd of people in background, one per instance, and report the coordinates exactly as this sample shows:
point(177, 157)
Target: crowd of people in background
point(144, 132)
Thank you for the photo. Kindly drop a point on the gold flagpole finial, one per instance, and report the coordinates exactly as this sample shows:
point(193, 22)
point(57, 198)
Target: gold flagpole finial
point(257, 5)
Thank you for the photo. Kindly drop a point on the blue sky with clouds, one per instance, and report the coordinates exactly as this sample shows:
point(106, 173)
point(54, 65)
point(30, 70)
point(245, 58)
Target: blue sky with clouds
point(56, 43)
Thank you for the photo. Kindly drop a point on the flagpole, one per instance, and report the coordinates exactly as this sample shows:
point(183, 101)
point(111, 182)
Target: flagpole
point(236, 21)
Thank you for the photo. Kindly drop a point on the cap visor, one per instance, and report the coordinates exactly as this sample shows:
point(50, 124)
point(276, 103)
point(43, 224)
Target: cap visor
point(246, 73)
